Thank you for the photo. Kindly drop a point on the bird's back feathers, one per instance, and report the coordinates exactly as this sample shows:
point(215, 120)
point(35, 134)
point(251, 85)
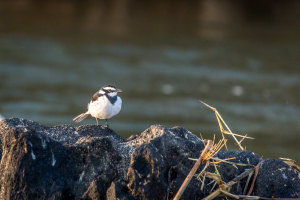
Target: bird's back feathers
point(96, 96)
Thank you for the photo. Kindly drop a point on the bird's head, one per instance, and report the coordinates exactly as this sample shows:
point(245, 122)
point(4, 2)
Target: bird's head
point(109, 90)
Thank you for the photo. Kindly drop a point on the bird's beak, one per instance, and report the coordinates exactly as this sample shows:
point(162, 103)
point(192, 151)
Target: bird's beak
point(118, 90)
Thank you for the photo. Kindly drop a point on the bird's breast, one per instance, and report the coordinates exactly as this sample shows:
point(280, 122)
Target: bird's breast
point(103, 108)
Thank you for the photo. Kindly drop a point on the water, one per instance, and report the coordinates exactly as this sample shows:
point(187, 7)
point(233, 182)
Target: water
point(165, 56)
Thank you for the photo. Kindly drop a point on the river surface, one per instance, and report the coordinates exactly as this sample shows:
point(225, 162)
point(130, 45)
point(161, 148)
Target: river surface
point(241, 57)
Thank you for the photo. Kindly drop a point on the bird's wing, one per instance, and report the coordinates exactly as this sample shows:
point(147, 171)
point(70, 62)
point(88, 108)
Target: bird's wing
point(96, 96)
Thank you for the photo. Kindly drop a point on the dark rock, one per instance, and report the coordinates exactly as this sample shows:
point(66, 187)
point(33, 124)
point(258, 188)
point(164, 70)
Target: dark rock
point(277, 179)
point(94, 162)
point(61, 162)
point(119, 190)
point(160, 150)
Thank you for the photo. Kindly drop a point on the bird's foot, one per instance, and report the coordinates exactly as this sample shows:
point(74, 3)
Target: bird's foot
point(107, 127)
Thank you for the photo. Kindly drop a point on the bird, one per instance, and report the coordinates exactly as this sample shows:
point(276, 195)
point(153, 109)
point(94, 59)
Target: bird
point(104, 104)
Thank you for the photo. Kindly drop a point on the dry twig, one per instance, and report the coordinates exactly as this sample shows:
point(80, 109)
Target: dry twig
point(254, 177)
point(193, 170)
point(291, 163)
point(225, 187)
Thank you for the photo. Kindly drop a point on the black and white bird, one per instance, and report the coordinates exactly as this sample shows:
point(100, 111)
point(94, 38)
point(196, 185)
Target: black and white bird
point(104, 104)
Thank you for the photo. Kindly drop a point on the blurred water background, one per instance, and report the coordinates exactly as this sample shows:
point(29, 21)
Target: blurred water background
point(239, 56)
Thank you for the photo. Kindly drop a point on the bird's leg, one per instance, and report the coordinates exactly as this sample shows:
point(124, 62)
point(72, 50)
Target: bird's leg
point(98, 124)
point(107, 123)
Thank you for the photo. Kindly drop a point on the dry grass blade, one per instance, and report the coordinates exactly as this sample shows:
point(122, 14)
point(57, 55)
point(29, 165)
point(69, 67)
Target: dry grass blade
point(214, 176)
point(218, 160)
point(213, 181)
point(217, 113)
point(223, 131)
point(213, 186)
point(222, 160)
point(251, 197)
point(242, 136)
point(291, 163)
point(201, 137)
point(247, 183)
point(287, 159)
point(214, 150)
point(225, 187)
point(202, 186)
point(204, 168)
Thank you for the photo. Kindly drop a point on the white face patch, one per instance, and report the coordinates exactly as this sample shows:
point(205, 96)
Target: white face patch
point(109, 88)
point(112, 94)
point(101, 92)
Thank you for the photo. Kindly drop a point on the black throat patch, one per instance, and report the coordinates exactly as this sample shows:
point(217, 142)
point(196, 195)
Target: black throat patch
point(112, 100)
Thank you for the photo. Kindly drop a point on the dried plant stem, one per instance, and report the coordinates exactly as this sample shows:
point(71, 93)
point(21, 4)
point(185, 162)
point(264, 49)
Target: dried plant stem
point(291, 163)
point(252, 197)
point(226, 161)
point(223, 131)
point(224, 188)
point(254, 177)
point(193, 170)
point(239, 196)
point(229, 194)
point(239, 177)
point(217, 113)
point(247, 183)
point(213, 195)
point(204, 168)
point(242, 136)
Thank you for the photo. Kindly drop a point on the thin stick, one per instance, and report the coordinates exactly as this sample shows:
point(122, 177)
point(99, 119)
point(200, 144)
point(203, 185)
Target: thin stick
point(291, 163)
point(239, 177)
point(229, 194)
point(204, 168)
point(225, 160)
point(247, 183)
point(213, 185)
point(213, 195)
point(203, 183)
point(193, 171)
point(254, 177)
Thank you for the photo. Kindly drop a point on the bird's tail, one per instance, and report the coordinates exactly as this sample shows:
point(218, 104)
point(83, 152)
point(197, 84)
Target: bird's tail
point(81, 117)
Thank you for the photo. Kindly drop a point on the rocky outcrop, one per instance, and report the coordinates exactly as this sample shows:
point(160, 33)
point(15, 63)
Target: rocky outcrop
point(94, 162)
